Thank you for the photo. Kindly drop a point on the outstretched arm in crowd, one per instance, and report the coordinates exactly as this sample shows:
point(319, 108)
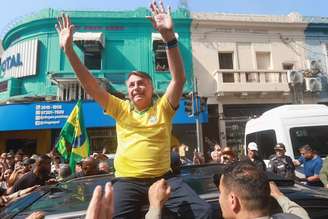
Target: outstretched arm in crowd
point(286, 204)
point(158, 193)
point(65, 31)
point(101, 204)
point(5, 199)
point(36, 215)
point(162, 22)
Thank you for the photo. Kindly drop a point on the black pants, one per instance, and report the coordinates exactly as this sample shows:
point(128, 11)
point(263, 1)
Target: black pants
point(131, 197)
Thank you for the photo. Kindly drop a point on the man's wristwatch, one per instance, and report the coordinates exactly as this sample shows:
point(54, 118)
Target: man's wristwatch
point(172, 43)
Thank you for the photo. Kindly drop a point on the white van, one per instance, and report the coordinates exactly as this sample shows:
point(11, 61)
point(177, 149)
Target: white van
point(292, 125)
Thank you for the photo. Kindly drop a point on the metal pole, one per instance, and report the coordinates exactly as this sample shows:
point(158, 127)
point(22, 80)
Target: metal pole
point(199, 130)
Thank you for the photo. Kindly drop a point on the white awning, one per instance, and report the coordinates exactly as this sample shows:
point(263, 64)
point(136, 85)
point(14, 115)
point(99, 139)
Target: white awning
point(158, 36)
point(90, 36)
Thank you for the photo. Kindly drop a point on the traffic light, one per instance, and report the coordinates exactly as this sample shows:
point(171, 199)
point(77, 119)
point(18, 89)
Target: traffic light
point(203, 104)
point(189, 104)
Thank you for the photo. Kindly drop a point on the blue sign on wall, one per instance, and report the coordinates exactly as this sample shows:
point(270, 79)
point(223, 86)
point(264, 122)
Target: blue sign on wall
point(11, 62)
point(53, 115)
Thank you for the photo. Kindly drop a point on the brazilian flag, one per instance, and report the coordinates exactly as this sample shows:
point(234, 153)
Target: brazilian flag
point(75, 135)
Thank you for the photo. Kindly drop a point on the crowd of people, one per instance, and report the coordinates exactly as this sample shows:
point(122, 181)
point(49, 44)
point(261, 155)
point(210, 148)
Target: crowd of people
point(238, 198)
point(21, 174)
point(315, 169)
point(142, 160)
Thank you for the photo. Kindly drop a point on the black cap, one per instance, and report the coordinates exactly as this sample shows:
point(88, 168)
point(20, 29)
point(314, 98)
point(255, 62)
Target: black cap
point(280, 146)
point(28, 161)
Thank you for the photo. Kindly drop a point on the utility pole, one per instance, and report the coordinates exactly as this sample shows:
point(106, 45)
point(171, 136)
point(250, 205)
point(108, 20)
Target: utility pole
point(199, 130)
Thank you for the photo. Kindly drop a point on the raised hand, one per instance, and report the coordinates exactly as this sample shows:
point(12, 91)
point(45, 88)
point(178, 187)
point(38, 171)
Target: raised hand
point(162, 20)
point(65, 31)
point(159, 192)
point(101, 205)
point(36, 215)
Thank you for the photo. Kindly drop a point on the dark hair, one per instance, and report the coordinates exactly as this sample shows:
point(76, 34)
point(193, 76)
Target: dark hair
point(306, 148)
point(140, 74)
point(251, 185)
point(42, 159)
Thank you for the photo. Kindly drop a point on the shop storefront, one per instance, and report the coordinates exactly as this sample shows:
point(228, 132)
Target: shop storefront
point(35, 127)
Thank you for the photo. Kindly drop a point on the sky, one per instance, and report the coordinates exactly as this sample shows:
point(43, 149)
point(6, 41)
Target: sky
point(14, 10)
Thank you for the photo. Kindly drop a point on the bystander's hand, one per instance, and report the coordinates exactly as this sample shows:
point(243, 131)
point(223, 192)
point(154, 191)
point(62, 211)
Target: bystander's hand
point(3, 200)
point(52, 181)
point(296, 163)
point(101, 205)
point(28, 190)
point(274, 190)
point(158, 193)
point(36, 215)
point(13, 196)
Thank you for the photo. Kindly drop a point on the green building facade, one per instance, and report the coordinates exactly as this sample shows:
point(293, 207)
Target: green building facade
point(36, 79)
point(111, 44)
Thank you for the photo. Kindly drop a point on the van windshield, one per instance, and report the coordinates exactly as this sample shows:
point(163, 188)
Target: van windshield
point(315, 136)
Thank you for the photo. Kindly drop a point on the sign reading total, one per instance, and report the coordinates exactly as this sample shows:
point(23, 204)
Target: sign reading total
point(20, 60)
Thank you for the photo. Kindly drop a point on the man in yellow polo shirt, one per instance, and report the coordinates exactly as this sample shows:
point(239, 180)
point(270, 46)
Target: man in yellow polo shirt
point(143, 127)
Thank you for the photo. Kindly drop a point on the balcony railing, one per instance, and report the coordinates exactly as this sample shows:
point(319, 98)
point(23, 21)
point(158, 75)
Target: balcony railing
point(254, 81)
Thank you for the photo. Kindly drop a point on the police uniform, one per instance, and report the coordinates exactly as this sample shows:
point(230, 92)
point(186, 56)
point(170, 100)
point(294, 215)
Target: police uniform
point(282, 166)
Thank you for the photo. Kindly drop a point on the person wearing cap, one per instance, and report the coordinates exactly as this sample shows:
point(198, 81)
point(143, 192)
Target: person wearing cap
point(254, 157)
point(40, 175)
point(281, 164)
point(143, 125)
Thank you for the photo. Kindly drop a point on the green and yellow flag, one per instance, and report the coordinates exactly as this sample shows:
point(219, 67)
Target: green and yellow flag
point(74, 134)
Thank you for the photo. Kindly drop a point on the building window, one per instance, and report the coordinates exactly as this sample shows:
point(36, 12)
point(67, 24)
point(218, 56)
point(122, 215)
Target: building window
point(161, 63)
point(91, 43)
point(103, 138)
point(316, 136)
point(92, 59)
point(228, 77)
point(72, 90)
point(287, 66)
point(3, 86)
point(226, 60)
point(263, 60)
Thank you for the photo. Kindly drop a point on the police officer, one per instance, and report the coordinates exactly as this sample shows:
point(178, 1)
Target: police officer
point(280, 163)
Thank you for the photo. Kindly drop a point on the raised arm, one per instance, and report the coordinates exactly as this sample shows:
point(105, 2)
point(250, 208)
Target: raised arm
point(65, 31)
point(162, 22)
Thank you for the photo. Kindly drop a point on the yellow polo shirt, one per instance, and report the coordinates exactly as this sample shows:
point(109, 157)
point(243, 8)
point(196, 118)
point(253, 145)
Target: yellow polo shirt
point(143, 139)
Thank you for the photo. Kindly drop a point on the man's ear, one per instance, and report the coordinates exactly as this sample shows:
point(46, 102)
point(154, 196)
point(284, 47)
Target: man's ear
point(234, 202)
